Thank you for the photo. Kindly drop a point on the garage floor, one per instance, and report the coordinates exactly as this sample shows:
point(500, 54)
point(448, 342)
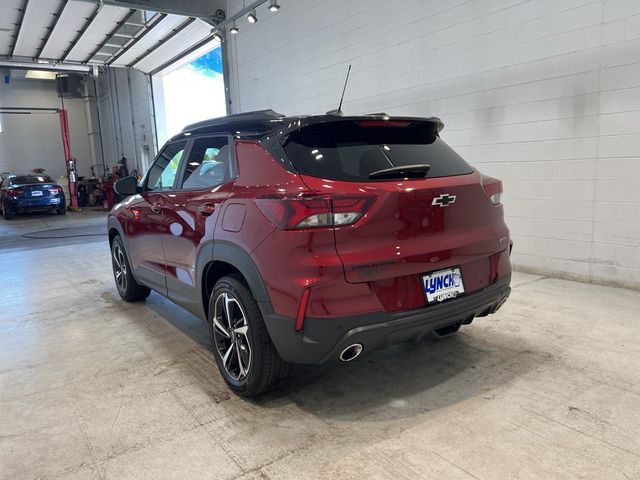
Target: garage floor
point(91, 387)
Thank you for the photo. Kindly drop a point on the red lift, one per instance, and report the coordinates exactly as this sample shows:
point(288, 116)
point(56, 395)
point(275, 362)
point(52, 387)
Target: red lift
point(69, 161)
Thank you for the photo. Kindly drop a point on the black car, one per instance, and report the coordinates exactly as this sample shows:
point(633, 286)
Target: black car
point(31, 193)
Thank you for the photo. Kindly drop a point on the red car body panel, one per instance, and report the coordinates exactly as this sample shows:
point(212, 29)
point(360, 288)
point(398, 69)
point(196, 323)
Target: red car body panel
point(371, 267)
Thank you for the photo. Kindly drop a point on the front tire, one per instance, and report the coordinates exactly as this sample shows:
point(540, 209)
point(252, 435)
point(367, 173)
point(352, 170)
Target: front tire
point(128, 288)
point(246, 358)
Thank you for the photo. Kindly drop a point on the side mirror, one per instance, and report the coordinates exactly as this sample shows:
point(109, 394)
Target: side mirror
point(126, 186)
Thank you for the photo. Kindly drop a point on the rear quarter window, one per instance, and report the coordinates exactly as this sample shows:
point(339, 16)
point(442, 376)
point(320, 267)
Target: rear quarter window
point(30, 179)
point(349, 151)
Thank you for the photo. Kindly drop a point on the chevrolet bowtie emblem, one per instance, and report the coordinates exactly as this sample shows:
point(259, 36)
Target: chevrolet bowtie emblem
point(444, 200)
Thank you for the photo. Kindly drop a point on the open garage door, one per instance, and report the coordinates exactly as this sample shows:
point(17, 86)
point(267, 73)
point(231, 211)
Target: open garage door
point(189, 91)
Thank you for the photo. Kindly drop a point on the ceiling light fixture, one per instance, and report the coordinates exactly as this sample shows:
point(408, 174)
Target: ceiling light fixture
point(234, 28)
point(251, 16)
point(273, 6)
point(216, 35)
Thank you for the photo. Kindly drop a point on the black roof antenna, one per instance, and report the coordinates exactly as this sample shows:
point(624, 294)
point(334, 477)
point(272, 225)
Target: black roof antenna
point(338, 112)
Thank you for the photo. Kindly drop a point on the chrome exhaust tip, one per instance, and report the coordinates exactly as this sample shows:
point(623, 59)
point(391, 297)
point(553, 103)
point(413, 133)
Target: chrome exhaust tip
point(351, 352)
point(499, 304)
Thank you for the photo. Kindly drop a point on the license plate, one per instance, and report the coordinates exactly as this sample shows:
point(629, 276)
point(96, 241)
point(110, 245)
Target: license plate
point(36, 193)
point(442, 285)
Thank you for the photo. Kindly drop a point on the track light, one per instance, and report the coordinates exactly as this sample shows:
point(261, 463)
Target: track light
point(234, 28)
point(273, 6)
point(251, 16)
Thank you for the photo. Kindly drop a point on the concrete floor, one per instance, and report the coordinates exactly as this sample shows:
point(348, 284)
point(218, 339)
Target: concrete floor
point(94, 388)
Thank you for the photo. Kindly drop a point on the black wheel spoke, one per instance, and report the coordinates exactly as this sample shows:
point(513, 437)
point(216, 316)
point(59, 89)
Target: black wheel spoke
point(120, 268)
point(231, 336)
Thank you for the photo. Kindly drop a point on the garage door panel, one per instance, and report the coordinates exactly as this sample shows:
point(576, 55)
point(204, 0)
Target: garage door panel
point(71, 21)
point(183, 40)
point(103, 24)
point(8, 19)
point(157, 33)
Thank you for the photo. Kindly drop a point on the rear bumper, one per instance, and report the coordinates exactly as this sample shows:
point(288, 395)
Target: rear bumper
point(35, 204)
point(323, 339)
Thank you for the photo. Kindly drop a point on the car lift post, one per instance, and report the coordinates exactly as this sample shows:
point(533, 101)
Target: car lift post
point(69, 161)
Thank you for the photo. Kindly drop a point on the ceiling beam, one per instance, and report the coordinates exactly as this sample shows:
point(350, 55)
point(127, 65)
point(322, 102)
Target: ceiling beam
point(77, 38)
point(163, 40)
point(51, 28)
point(210, 10)
point(26, 63)
point(155, 20)
point(24, 109)
point(110, 35)
point(23, 10)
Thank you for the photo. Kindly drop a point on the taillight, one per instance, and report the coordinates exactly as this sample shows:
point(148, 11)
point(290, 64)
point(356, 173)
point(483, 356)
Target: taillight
point(315, 211)
point(15, 192)
point(54, 190)
point(493, 188)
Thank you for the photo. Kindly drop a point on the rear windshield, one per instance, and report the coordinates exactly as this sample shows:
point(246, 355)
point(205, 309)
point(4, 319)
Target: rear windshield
point(28, 179)
point(352, 150)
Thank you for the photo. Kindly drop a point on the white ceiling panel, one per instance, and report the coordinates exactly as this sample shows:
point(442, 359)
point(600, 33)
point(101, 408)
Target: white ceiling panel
point(38, 17)
point(72, 20)
point(159, 31)
point(102, 25)
point(9, 16)
point(70, 33)
point(191, 35)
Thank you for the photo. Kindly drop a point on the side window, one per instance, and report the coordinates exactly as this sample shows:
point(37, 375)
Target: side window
point(209, 163)
point(164, 170)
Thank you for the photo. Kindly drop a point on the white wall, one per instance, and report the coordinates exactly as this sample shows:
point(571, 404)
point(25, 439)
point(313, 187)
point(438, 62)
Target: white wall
point(544, 94)
point(126, 119)
point(31, 141)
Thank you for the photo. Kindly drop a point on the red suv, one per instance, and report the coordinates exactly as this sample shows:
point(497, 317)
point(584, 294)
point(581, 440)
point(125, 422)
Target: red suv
point(307, 239)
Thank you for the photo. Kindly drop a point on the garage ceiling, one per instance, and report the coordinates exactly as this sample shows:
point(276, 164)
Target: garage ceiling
point(108, 33)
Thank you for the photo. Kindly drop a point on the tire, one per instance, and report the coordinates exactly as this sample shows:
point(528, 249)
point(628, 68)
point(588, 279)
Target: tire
point(258, 367)
point(128, 288)
point(7, 213)
point(62, 209)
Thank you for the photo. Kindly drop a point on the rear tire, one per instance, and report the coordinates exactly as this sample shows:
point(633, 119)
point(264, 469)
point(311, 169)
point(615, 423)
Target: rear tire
point(7, 213)
point(62, 209)
point(128, 288)
point(243, 350)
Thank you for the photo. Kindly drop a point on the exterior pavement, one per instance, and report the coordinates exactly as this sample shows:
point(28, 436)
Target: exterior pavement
point(94, 388)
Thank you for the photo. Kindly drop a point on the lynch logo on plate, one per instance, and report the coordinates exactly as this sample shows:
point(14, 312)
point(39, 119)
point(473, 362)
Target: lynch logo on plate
point(442, 285)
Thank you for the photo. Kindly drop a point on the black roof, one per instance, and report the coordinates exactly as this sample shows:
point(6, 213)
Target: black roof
point(259, 119)
point(260, 122)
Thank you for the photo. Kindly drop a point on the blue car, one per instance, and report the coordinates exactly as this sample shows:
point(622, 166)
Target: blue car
point(30, 193)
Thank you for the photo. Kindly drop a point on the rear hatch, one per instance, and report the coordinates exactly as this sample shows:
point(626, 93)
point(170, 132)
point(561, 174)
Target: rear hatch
point(33, 187)
point(36, 191)
point(433, 214)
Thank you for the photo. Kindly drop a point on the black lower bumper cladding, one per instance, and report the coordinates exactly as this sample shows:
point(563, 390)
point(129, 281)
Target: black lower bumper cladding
point(323, 339)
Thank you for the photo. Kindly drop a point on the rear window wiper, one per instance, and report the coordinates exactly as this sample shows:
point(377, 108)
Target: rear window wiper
point(404, 171)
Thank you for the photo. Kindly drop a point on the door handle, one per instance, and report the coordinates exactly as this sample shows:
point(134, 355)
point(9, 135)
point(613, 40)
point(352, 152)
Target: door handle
point(207, 209)
point(156, 207)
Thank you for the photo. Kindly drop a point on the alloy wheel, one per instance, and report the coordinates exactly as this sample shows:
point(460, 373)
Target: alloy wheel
point(231, 336)
point(120, 268)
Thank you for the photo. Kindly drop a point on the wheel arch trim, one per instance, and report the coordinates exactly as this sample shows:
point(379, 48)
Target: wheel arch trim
point(240, 259)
